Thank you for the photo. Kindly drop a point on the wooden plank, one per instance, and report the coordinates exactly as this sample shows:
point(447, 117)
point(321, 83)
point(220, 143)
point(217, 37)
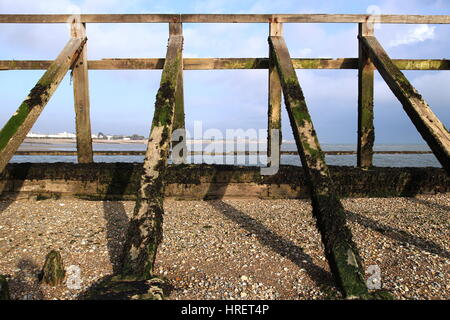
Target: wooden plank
point(340, 249)
point(320, 63)
point(81, 99)
point(145, 228)
point(225, 63)
point(126, 64)
point(422, 64)
point(179, 147)
point(224, 18)
point(429, 126)
point(198, 153)
point(18, 126)
point(274, 97)
point(366, 132)
point(89, 18)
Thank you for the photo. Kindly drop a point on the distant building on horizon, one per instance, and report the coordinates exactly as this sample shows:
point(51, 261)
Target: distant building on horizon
point(62, 135)
point(69, 135)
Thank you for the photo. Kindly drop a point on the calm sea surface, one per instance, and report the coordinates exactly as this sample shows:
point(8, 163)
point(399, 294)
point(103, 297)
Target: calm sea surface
point(381, 160)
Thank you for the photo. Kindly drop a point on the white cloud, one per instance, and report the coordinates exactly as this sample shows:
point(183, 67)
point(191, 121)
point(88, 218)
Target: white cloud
point(26, 6)
point(303, 53)
point(419, 33)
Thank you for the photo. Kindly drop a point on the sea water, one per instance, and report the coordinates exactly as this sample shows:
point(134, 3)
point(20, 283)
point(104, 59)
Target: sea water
point(380, 160)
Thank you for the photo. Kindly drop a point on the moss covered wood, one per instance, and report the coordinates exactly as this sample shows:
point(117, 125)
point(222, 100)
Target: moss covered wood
point(145, 228)
point(15, 130)
point(81, 99)
point(274, 112)
point(340, 249)
point(53, 272)
point(176, 29)
point(4, 288)
point(429, 126)
point(366, 132)
point(226, 63)
point(197, 153)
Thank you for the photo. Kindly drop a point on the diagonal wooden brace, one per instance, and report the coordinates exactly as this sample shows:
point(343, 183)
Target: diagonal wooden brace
point(340, 250)
point(429, 126)
point(145, 228)
point(18, 126)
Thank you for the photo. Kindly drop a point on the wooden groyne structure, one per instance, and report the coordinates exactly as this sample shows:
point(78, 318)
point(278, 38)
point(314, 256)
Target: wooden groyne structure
point(145, 228)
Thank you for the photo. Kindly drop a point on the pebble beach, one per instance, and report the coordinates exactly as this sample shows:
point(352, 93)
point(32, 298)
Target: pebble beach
point(231, 249)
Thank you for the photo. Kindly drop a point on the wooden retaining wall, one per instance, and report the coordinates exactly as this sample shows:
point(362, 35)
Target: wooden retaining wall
point(188, 182)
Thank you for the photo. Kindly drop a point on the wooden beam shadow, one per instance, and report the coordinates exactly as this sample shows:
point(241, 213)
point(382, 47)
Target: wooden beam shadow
point(275, 242)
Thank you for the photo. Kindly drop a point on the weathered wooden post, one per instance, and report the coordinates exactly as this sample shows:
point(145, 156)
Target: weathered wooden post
point(340, 249)
point(429, 126)
point(145, 228)
point(274, 112)
point(366, 132)
point(15, 130)
point(176, 29)
point(4, 288)
point(53, 271)
point(81, 98)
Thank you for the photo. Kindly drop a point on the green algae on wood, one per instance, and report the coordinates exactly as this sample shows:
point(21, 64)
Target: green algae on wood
point(340, 250)
point(109, 181)
point(81, 100)
point(274, 111)
point(145, 229)
point(53, 272)
point(426, 122)
point(366, 132)
point(15, 130)
point(179, 153)
point(4, 288)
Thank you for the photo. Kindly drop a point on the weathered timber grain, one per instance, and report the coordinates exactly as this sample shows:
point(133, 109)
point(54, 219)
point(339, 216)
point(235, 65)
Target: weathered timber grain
point(274, 110)
point(145, 228)
point(340, 250)
point(176, 29)
point(15, 130)
point(226, 64)
point(81, 99)
point(429, 126)
point(224, 18)
point(103, 181)
point(366, 132)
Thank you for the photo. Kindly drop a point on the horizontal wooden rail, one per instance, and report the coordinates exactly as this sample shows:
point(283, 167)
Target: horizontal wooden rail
point(225, 18)
point(226, 63)
point(197, 153)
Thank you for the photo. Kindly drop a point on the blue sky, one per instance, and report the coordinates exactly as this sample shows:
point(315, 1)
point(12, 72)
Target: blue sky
point(122, 102)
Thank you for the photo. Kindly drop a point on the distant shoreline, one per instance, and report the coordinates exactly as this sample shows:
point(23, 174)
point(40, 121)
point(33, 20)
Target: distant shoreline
point(71, 140)
point(57, 141)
